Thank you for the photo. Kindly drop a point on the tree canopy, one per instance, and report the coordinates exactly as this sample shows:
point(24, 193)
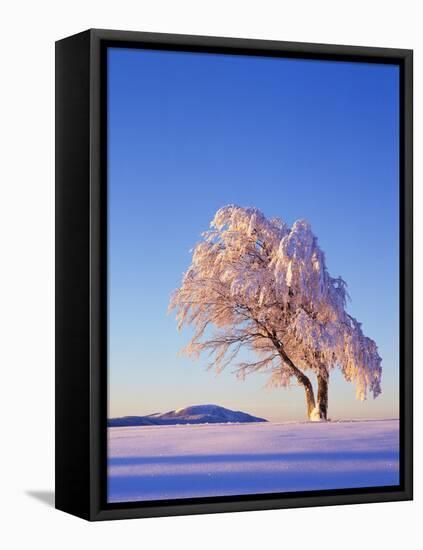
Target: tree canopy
point(257, 284)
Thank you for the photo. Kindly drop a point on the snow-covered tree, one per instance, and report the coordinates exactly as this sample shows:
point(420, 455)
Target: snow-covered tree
point(256, 284)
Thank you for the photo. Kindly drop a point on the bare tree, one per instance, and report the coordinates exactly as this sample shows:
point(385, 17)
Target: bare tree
point(255, 283)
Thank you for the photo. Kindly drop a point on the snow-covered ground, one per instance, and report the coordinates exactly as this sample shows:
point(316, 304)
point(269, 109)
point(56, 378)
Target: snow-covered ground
point(167, 462)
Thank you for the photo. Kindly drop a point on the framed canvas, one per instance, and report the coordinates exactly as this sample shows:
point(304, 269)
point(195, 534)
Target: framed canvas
point(233, 274)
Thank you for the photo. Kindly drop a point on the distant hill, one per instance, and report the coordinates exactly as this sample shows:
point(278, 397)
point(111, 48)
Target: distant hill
point(197, 414)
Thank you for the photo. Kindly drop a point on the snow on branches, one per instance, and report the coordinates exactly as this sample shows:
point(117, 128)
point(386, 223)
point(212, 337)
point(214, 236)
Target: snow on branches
point(264, 286)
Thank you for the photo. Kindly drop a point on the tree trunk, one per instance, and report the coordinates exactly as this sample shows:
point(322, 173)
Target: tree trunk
point(311, 404)
point(303, 380)
point(322, 395)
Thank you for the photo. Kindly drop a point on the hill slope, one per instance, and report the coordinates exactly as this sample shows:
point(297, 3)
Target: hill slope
point(197, 414)
point(165, 462)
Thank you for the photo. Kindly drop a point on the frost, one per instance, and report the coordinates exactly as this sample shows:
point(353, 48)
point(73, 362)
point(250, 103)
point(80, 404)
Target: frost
point(264, 287)
point(315, 415)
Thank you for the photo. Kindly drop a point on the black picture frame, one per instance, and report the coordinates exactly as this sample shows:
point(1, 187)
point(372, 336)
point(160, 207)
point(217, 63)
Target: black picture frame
point(81, 274)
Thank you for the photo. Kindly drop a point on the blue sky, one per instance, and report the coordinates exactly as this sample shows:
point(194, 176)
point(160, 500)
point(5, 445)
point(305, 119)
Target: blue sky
point(190, 133)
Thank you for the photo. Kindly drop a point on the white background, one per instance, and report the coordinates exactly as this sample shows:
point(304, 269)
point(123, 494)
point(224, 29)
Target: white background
point(28, 32)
